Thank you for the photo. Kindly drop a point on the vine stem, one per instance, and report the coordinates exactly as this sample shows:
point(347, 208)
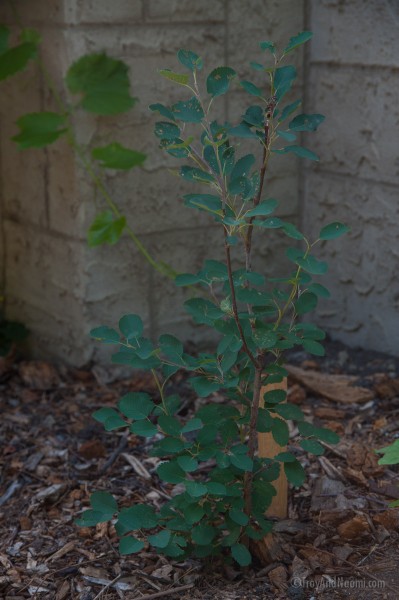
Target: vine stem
point(64, 110)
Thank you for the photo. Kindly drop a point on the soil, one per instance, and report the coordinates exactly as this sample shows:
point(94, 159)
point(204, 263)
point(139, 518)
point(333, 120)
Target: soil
point(340, 539)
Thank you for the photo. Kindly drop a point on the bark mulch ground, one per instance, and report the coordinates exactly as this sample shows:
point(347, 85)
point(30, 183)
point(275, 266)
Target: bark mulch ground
point(340, 539)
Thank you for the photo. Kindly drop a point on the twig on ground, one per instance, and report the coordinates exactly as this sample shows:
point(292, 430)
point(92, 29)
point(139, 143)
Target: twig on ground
point(168, 592)
point(108, 463)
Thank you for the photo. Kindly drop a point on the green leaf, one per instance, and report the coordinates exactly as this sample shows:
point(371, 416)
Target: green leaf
point(286, 135)
point(265, 421)
point(215, 488)
point(89, 518)
point(333, 230)
point(306, 302)
point(112, 422)
point(161, 539)
point(106, 335)
point(136, 405)
point(243, 167)
point(203, 534)
point(130, 545)
point(131, 326)
point(39, 129)
point(305, 122)
point(255, 115)
point(312, 447)
point(319, 290)
point(218, 81)
point(139, 516)
point(194, 174)
point(192, 425)
point(4, 36)
point(268, 46)
point(313, 265)
point(171, 472)
point(169, 425)
point(297, 40)
point(283, 80)
point(190, 60)
point(185, 279)
point(193, 513)
point(116, 156)
point(288, 110)
point(264, 337)
point(30, 35)
point(15, 59)
point(272, 223)
point(242, 462)
point(189, 111)
point(284, 457)
point(295, 473)
point(109, 418)
point(326, 435)
point(238, 516)
point(391, 454)
point(176, 77)
point(103, 83)
point(167, 131)
point(275, 396)
point(144, 428)
point(292, 232)
point(251, 88)
point(104, 502)
point(299, 151)
point(280, 432)
point(204, 387)
point(253, 296)
point(102, 414)
point(243, 131)
point(171, 347)
point(205, 202)
point(241, 554)
point(313, 347)
point(263, 209)
point(164, 111)
point(256, 66)
point(195, 489)
point(105, 229)
point(187, 463)
point(289, 411)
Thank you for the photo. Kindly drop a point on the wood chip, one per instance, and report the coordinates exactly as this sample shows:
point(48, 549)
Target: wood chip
point(278, 578)
point(330, 470)
point(38, 375)
point(389, 519)
point(339, 388)
point(325, 493)
point(62, 551)
point(137, 466)
point(64, 591)
point(353, 529)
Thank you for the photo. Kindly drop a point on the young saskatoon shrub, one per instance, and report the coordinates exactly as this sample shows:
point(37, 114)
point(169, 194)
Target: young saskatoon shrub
point(224, 486)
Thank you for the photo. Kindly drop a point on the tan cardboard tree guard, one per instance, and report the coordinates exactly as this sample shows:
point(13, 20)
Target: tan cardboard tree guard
point(268, 448)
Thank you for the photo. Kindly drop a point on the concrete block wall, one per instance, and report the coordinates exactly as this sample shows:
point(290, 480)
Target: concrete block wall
point(352, 76)
point(53, 282)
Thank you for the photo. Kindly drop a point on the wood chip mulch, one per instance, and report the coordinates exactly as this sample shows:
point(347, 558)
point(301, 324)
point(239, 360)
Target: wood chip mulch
point(340, 540)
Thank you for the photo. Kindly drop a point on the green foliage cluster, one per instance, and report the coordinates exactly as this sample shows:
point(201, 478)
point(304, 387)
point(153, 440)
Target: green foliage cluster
point(99, 85)
point(224, 488)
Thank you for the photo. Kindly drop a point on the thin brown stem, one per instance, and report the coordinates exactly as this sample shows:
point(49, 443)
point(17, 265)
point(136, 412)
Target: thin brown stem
point(252, 439)
point(262, 174)
point(234, 303)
